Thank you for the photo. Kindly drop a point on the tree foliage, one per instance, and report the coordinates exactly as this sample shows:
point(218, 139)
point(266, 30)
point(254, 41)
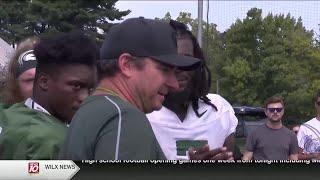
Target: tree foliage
point(22, 18)
point(281, 58)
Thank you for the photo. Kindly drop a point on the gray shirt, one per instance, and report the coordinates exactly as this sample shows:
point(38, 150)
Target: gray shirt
point(272, 144)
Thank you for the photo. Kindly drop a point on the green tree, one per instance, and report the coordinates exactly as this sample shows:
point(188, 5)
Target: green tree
point(22, 18)
point(281, 58)
point(167, 17)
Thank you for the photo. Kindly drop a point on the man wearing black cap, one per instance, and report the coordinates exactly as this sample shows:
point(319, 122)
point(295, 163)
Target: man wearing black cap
point(138, 61)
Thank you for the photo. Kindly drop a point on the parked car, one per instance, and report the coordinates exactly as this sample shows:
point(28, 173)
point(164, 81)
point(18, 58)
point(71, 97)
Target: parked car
point(248, 119)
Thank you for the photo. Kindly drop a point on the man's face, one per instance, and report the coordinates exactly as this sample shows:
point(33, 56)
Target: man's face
point(151, 83)
point(25, 81)
point(185, 47)
point(68, 87)
point(274, 112)
point(317, 105)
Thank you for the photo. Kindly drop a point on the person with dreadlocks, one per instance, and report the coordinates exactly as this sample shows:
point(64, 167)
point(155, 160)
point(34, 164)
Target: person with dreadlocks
point(194, 124)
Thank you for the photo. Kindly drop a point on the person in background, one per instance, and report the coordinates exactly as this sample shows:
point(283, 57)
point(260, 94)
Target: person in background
point(65, 76)
point(272, 141)
point(296, 128)
point(21, 72)
point(191, 117)
point(18, 84)
point(309, 134)
point(138, 60)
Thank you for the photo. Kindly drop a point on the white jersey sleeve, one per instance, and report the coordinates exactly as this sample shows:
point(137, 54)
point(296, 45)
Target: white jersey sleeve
point(309, 136)
point(224, 106)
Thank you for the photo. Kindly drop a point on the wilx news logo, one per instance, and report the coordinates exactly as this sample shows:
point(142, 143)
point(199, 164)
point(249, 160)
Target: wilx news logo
point(33, 168)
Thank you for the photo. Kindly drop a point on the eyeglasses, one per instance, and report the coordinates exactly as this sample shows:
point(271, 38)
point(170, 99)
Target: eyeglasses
point(318, 103)
point(271, 110)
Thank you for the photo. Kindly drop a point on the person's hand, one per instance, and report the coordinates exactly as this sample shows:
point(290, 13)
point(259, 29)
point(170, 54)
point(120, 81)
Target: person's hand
point(205, 153)
point(315, 156)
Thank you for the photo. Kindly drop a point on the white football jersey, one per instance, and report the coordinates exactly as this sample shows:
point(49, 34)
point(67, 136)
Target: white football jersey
point(212, 128)
point(309, 136)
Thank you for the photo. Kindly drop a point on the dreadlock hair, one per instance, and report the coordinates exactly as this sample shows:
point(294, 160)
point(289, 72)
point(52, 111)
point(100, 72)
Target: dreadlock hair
point(201, 80)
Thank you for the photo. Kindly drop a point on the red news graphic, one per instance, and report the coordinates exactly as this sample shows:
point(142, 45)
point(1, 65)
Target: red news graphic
point(33, 168)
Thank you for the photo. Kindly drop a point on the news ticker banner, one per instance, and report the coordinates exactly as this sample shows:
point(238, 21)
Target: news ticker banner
point(37, 169)
point(65, 169)
point(199, 161)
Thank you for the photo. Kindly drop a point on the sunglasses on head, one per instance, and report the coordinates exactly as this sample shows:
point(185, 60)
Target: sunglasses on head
point(271, 110)
point(318, 103)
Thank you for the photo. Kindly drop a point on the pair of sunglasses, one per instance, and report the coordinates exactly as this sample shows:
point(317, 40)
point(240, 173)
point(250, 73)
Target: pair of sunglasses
point(272, 110)
point(318, 103)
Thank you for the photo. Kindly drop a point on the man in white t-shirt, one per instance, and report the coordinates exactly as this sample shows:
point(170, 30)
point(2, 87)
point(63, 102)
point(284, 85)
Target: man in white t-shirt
point(192, 123)
point(309, 134)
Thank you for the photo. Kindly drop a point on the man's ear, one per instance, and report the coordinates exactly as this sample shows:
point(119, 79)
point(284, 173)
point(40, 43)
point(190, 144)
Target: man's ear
point(126, 65)
point(265, 111)
point(43, 81)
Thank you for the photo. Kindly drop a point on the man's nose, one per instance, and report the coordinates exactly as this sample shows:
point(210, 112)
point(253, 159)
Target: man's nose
point(83, 94)
point(172, 81)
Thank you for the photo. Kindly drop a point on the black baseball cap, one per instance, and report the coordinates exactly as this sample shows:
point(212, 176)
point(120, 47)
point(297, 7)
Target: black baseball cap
point(142, 37)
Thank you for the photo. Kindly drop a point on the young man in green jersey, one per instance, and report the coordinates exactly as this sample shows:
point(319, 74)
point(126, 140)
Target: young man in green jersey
point(65, 76)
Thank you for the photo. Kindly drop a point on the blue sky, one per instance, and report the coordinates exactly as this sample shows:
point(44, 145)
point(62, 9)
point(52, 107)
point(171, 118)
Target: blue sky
point(224, 13)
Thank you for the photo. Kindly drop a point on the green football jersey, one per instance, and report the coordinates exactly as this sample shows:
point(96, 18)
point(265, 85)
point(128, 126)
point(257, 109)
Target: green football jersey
point(30, 134)
point(2, 119)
